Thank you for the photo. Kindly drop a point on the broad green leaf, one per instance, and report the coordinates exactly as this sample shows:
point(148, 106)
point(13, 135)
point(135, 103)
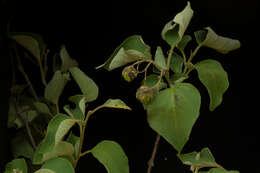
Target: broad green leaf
point(115, 103)
point(44, 171)
point(55, 87)
point(61, 149)
point(220, 170)
point(58, 165)
point(42, 108)
point(28, 116)
point(174, 30)
point(21, 146)
point(75, 141)
point(67, 61)
point(190, 159)
point(152, 80)
point(78, 112)
point(214, 78)
point(176, 63)
point(199, 159)
point(32, 42)
point(132, 49)
point(58, 127)
point(112, 156)
point(18, 89)
point(184, 41)
point(159, 58)
point(206, 157)
point(87, 86)
point(178, 78)
point(221, 44)
point(17, 166)
point(26, 112)
point(173, 112)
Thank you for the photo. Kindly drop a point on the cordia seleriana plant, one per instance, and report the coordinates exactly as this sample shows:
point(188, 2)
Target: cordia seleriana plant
point(171, 103)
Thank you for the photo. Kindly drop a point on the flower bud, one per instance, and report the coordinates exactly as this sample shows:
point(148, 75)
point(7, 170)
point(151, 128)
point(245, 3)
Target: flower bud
point(129, 73)
point(144, 94)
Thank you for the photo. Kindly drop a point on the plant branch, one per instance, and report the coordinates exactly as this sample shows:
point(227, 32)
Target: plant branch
point(193, 54)
point(21, 69)
point(169, 57)
point(86, 152)
point(42, 73)
point(26, 124)
point(82, 135)
point(151, 161)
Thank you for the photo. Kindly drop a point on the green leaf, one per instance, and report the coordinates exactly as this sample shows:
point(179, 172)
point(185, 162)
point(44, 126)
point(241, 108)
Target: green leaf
point(32, 42)
point(61, 149)
point(184, 41)
point(75, 141)
point(55, 87)
point(219, 170)
point(174, 30)
point(78, 112)
point(173, 113)
point(159, 58)
point(58, 165)
point(42, 108)
point(87, 86)
point(200, 36)
point(112, 156)
point(44, 171)
point(58, 127)
point(178, 78)
point(21, 146)
point(214, 78)
point(206, 157)
point(115, 103)
point(29, 116)
point(199, 159)
point(67, 61)
point(18, 165)
point(18, 89)
point(152, 80)
point(176, 63)
point(26, 113)
point(132, 49)
point(221, 44)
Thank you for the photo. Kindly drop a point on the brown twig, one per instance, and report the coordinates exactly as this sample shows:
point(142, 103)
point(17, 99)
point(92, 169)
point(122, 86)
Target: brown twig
point(151, 161)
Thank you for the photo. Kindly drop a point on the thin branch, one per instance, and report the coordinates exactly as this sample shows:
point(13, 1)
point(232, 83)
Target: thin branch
point(21, 69)
point(26, 124)
point(86, 152)
point(151, 161)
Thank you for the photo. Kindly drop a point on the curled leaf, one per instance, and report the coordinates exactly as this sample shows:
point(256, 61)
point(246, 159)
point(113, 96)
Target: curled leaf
point(67, 61)
point(132, 49)
point(221, 44)
point(174, 30)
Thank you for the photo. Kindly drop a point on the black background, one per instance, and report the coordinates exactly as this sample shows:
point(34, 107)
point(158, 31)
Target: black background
point(92, 30)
